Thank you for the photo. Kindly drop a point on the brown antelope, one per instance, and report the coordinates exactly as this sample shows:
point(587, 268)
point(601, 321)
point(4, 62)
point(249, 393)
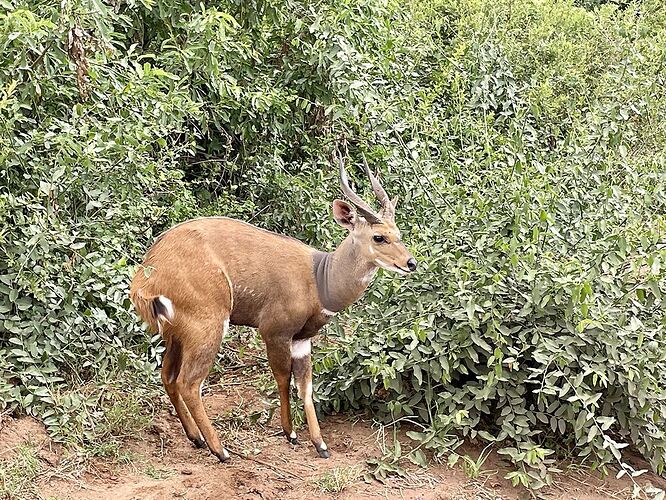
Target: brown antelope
point(205, 274)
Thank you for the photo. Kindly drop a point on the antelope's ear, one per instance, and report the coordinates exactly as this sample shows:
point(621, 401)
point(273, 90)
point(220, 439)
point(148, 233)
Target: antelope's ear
point(344, 214)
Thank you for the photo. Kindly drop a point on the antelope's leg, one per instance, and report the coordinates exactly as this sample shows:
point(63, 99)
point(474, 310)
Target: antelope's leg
point(194, 370)
point(302, 368)
point(170, 371)
point(279, 359)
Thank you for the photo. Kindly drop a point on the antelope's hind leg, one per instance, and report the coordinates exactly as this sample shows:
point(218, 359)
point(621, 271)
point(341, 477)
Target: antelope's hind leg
point(197, 361)
point(170, 371)
point(301, 364)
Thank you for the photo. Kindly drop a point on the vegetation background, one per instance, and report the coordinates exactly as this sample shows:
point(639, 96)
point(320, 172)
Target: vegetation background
point(527, 141)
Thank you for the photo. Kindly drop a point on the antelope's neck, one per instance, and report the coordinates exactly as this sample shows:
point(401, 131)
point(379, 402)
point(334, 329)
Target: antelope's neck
point(341, 276)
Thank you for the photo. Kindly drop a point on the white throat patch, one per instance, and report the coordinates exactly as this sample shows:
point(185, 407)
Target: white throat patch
point(368, 277)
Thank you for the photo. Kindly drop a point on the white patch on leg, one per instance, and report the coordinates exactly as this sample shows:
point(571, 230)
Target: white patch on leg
point(323, 446)
point(292, 435)
point(225, 328)
point(168, 305)
point(225, 453)
point(300, 348)
point(307, 394)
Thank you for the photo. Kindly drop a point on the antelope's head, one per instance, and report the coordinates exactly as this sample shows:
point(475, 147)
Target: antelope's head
point(375, 235)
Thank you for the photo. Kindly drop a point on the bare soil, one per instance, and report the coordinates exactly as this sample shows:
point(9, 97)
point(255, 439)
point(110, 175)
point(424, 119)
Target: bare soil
point(164, 465)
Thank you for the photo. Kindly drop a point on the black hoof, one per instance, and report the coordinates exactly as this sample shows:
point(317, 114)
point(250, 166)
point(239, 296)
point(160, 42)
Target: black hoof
point(222, 457)
point(292, 440)
point(198, 442)
point(323, 453)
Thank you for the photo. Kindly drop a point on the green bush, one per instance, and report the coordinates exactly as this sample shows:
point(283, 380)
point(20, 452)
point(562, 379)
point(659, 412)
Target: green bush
point(82, 182)
point(526, 142)
point(537, 321)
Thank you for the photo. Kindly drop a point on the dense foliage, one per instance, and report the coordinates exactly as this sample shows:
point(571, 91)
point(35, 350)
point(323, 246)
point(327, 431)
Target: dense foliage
point(527, 141)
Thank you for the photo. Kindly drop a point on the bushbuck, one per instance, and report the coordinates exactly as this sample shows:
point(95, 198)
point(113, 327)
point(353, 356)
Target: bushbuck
point(202, 275)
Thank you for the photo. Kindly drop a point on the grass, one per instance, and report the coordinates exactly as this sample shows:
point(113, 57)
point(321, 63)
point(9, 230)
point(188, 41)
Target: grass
point(17, 475)
point(126, 417)
point(337, 479)
point(101, 416)
point(154, 473)
point(472, 468)
point(122, 417)
point(99, 426)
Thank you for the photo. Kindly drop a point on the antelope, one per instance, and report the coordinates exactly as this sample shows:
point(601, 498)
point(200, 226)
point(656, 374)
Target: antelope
point(202, 275)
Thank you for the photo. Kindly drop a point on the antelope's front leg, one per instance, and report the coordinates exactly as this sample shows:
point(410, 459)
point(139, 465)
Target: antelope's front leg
point(279, 359)
point(301, 366)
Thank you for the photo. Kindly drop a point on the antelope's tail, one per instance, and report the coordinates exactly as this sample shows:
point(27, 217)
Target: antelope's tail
point(154, 310)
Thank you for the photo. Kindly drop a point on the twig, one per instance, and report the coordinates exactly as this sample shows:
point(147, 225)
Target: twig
point(255, 356)
point(225, 384)
point(265, 464)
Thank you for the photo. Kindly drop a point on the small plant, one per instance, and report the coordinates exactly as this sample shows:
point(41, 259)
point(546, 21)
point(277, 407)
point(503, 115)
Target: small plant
point(265, 384)
point(17, 475)
point(472, 468)
point(383, 468)
point(108, 449)
point(389, 463)
point(126, 416)
point(153, 472)
point(95, 419)
point(126, 458)
point(338, 479)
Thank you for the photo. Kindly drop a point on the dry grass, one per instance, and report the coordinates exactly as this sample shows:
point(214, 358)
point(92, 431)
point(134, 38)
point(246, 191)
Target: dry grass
point(338, 479)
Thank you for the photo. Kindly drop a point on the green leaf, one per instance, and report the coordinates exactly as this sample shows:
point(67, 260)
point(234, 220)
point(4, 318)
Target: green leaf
point(417, 457)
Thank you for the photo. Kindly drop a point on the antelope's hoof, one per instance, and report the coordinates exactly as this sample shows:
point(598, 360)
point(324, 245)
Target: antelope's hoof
point(198, 442)
point(222, 457)
point(323, 453)
point(292, 438)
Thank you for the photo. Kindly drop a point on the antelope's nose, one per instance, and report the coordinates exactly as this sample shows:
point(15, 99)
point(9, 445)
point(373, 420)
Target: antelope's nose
point(411, 264)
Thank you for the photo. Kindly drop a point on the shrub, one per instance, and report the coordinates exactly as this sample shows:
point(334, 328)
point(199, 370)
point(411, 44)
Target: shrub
point(526, 142)
point(538, 319)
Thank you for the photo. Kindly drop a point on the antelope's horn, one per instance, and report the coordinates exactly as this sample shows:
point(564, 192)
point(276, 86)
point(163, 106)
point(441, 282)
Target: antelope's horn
point(387, 206)
point(363, 208)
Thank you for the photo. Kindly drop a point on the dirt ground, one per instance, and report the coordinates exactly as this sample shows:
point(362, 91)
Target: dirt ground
point(164, 465)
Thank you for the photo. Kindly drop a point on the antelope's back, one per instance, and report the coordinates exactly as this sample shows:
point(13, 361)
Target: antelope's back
point(194, 263)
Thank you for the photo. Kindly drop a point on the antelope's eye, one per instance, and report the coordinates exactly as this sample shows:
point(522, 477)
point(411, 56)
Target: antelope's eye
point(379, 238)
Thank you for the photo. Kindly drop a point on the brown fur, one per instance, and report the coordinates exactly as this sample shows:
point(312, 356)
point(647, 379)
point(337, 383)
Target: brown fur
point(216, 270)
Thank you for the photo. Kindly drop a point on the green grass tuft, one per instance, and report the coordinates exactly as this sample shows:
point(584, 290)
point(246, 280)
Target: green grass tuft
point(17, 475)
